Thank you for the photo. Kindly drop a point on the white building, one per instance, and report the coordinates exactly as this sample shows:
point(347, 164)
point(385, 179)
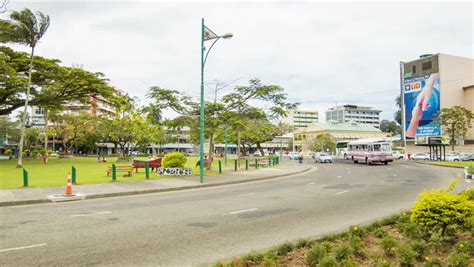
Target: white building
point(301, 118)
point(354, 113)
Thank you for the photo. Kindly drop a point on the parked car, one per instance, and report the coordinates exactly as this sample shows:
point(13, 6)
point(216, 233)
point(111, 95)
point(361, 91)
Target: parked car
point(293, 155)
point(323, 158)
point(468, 157)
point(398, 155)
point(420, 156)
point(454, 157)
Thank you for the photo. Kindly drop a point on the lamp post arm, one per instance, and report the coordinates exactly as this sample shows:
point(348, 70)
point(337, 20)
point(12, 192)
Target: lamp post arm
point(207, 53)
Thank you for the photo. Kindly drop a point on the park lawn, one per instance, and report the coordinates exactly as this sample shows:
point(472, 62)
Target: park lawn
point(454, 163)
point(87, 169)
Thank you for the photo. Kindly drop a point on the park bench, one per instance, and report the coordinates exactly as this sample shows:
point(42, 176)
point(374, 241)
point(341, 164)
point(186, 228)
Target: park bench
point(262, 162)
point(127, 169)
point(154, 163)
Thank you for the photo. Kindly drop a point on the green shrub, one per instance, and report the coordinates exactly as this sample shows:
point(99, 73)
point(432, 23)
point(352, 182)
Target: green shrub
point(327, 261)
point(406, 255)
point(315, 254)
point(349, 263)
point(388, 244)
point(383, 263)
point(283, 249)
point(252, 258)
point(436, 241)
point(174, 160)
point(50, 151)
point(343, 252)
point(458, 259)
point(302, 243)
point(270, 258)
point(35, 153)
point(357, 246)
point(380, 232)
point(356, 231)
point(8, 152)
point(410, 230)
point(468, 247)
point(420, 247)
point(433, 263)
point(438, 210)
point(26, 152)
point(327, 246)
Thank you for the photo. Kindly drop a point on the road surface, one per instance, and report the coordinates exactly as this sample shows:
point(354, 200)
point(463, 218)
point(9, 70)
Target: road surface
point(196, 227)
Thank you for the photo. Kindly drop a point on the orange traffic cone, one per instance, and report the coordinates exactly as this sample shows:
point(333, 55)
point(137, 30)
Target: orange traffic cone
point(69, 186)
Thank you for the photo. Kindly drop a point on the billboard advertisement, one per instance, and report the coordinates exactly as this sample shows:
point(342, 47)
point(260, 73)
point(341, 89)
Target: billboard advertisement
point(422, 106)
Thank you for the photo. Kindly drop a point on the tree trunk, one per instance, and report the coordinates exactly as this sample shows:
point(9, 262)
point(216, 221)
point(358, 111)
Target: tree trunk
point(45, 134)
point(211, 151)
point(238, 147)
point(23, 119)
point(259, 147)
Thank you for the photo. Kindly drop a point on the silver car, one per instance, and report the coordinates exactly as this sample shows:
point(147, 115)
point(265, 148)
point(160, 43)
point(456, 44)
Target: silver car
point(323, 158)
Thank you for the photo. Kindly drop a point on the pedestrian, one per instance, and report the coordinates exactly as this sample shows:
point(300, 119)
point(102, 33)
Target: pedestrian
point(300, 157)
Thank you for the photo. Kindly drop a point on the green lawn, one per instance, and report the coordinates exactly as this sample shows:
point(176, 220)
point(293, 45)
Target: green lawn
point(454, 163)
point(88, 171)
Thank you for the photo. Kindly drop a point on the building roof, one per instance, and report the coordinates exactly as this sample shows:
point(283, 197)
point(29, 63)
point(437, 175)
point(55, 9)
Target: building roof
point(333, 126)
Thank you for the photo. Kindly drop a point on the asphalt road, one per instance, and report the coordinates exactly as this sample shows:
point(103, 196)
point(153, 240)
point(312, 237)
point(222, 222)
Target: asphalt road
point(196, 227)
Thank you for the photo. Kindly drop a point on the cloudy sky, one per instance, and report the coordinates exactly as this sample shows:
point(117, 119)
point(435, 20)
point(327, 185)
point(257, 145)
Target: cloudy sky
point(321, 53)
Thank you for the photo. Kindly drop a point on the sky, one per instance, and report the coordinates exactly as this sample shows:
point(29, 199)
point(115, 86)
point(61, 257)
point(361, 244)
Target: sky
point(322, 53)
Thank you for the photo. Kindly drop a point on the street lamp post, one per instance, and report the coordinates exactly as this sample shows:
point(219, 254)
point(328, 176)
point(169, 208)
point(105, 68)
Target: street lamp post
point(206, 34)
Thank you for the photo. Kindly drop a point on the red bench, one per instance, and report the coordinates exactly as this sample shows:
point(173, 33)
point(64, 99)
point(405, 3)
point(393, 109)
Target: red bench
point(154, 163)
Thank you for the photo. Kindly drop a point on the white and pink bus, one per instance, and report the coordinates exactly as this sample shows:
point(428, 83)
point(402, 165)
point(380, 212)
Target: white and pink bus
point(370, 151)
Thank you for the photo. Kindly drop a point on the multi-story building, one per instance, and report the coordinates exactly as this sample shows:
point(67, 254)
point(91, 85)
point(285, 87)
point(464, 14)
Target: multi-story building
point(302, 118)
point(97, 106)
point(354, 113)
point(445, 81)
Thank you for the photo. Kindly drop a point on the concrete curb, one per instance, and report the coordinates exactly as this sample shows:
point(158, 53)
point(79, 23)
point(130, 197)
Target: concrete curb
point(151, 191)
point(438, 165)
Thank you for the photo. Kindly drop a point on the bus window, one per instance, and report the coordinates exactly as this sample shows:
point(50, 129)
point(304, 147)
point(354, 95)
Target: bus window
point(377, 147)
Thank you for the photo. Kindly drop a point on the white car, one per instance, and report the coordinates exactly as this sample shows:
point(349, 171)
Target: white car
point(322, 158)
point(454, 157)
point(420, 156)
point(397, 155)
point(293, 155)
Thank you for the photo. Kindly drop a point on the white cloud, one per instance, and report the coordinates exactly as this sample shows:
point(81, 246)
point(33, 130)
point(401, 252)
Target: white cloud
point(322, 53)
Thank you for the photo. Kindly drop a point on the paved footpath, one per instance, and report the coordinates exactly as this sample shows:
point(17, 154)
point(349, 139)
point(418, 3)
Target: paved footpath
point(14, 197)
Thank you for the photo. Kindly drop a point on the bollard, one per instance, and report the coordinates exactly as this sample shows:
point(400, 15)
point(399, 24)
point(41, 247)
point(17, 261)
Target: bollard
point(246, 164)
point(25, 178)
point(73, 173)
point(235, 165)
point(256, 163)
point(147, 170)
point(114, 172)
point(220, 166)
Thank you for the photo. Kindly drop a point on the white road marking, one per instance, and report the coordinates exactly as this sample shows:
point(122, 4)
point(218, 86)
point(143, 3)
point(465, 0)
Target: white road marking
point(312, 183)
point(343, 192)
point(339, 176)
point(348, 172)
point(247, 194)
point(90, 214)
point(394, 175)
point(19, 248)
point(240, 211)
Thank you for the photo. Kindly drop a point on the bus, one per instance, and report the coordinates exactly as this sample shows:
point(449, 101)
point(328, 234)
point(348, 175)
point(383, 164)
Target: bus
point(370, 151)
point(341, 149)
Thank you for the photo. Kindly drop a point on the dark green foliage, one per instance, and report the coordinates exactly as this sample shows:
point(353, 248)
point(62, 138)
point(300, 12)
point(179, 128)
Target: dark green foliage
point(327, 261)
point(410, 230)
point(380, 232)
point(458, 259)
point(420, 247)
point(357, 246)
point(388, 244)
point(283, 249)
point(433, 263)
point(251, 258)
point(315, 254)
point(406, 255)
point(302, 243)
point(270, 258)
point(343, 252)
point(348, 263)
point(327, 246)
point(356, 231)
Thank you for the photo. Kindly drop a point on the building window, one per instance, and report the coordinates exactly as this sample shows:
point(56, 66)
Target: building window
point(426, 65)
point(413, 69)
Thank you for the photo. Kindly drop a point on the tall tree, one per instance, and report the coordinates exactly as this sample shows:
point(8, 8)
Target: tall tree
point(25, 28)
point(323, 142)
point(392, 127)
point(456, 121)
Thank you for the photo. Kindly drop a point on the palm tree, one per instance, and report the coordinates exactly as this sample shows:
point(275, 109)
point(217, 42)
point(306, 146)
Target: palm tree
point(25, 28)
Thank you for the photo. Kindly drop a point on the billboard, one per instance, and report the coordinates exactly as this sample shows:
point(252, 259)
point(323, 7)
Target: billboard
point(422, 106)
